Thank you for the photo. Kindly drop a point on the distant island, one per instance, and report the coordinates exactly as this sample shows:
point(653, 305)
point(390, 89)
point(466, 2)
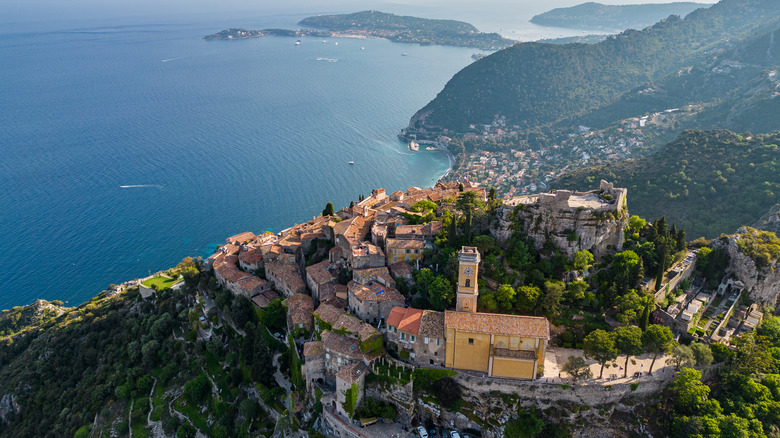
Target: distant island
point(375, 24)
point(593, 15)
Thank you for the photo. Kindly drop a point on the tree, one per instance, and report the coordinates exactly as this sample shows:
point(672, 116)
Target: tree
point(553, 293)
point(505, 295)
point(600, 346)
point(682, 355)
point(275, 315)
point(526, 298)
point(644, 321)
point(440, 293)
point(627, 271)
point(689, 393)
point(702, 353)
point(628, 341)
point(657, 339)
point(630, 307)
point(519, 253)
point(467, 203)
point(527, 425)
point(582, 259)
point(576, 290)
point(198, 388)
point(636, 223)
point(577, 368)
point(328, 211)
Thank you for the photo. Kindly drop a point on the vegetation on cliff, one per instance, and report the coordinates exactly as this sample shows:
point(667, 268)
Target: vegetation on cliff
point(105, 366)
point(593, 15)
point(532, 83)
point(709, 182)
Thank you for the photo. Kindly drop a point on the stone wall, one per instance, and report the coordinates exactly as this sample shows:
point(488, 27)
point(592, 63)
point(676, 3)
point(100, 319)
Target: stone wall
point(762, 285)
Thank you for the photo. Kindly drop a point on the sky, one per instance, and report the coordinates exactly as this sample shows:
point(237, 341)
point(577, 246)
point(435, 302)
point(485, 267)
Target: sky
point(42, 11)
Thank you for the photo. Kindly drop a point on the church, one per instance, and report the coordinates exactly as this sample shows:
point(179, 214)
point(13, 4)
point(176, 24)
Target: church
point(497, 345)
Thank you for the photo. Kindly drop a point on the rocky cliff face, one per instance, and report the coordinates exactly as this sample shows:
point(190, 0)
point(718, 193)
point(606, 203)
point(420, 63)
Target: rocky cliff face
point(770, 221)
point(569, 229)
point(8, 405)
point(763, 285)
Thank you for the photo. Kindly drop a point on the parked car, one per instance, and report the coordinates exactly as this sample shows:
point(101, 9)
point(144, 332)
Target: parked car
point(454, 434)
point(421, 431)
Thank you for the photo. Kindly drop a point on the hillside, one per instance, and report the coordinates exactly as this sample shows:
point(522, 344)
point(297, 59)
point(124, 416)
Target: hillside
point(709, 182)
point(593, 15)
point(734, 89)
point(532, 83)
point(118, 364)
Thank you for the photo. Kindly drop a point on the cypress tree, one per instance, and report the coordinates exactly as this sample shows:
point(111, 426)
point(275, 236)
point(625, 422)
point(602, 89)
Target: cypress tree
point(645, 321)
point(681, 245)
point(328, 211)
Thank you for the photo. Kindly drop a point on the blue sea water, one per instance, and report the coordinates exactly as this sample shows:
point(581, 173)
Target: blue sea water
point(124, 149)
point(129, 143)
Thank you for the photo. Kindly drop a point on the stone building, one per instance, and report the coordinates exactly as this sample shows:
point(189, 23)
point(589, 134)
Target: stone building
point(372, 302)
point(366, 255)
point(420, 333)
point(350, 382)
point(286, 277)
point(497, 345)
point(318, 275)
point(300, 308)
point(404, 250)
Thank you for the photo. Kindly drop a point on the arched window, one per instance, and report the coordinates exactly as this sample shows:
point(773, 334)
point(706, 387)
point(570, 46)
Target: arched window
point(468, 282)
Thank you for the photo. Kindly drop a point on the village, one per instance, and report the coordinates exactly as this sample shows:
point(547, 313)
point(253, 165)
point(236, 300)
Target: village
point(504, 161)
point(340, 277)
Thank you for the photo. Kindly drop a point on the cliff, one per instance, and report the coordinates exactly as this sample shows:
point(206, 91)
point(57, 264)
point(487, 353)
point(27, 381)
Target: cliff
point(573, 221)
point(761, 282)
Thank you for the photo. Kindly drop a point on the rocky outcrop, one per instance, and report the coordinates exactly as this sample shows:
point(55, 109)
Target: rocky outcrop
point(8, 405)
point(572, 221)
point(763, 285)
point(770, 221)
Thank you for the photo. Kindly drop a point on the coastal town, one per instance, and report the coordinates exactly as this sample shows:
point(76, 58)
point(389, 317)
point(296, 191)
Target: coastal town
point(344, 281)
point(498, 155)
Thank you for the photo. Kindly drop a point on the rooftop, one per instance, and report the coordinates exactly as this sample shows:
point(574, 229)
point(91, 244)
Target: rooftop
point(374, 291)
point(351, 373)
point(508, 325)
point(406, 319)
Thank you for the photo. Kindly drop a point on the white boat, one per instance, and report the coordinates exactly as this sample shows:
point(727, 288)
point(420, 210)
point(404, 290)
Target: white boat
point(298, 43)
point(362, 48)
point(414, 146)
point(336, 44)
point(351, 162)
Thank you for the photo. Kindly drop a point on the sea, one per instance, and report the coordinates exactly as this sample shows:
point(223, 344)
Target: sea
point(128, 142)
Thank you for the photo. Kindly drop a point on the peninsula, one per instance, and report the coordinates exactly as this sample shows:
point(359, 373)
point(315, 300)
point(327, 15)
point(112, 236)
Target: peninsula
point(375, 24)
point(596, 16)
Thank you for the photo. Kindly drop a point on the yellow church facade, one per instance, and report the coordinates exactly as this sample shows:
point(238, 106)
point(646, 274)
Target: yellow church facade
point(498, 345)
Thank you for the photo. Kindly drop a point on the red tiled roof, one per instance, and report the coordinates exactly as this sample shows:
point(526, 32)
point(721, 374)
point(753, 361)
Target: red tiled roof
point(328, 313)
point(509, 325)
point(406, 319)
point(374, 292)
point(352, 372)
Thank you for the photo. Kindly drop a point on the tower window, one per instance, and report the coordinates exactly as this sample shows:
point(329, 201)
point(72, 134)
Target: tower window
point(471, 341)
point(468, 282)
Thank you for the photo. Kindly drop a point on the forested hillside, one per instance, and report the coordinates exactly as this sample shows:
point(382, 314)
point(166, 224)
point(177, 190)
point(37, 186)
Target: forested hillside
point(709, 182)
point(593, 15)
point(533, 83)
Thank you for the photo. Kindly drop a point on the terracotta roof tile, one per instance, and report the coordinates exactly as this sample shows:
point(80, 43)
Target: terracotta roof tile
point(374, 291)
point(510, 325)
point(405, 319)
point(352, 372)
point(241, 238)
point(328, 313)
point(319, 272)
point(313, 348)
point(432, 324)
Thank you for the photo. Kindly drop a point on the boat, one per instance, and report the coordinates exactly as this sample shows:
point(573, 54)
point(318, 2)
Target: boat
point(298, 43)
point(351, 162)
point(430, 148)
point(362, 48)
point(414, 146)
point(404, 54)
point(336, 44)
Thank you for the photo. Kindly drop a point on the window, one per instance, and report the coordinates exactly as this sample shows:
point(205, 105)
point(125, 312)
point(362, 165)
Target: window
point(403, 335)
point(426, 341)
point(327, 355)
point(471, 341)
point(468, 282)
point(300, 325)
point(408, 251)
point(413, 338)
point(416, 251)
point(338, 360)
point(438, 341)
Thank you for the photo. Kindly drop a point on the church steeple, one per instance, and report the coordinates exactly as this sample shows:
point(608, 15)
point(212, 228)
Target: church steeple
point(468, 290)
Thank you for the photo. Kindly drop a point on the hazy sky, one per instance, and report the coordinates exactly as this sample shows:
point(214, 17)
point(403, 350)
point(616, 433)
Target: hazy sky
point(42, 11)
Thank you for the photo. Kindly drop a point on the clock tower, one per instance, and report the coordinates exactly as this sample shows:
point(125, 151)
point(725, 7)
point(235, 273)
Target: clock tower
point(468, 290)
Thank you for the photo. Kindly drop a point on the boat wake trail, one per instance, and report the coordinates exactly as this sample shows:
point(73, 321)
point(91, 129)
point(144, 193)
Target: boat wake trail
point(142, 186)
point(173, 59)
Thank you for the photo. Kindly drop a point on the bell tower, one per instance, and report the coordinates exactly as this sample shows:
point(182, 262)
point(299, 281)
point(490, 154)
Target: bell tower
point(468, 290)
